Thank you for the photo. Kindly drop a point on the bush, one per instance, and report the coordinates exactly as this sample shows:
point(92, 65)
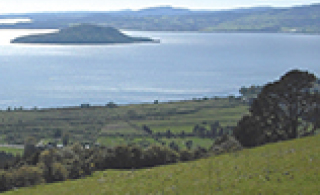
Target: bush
point(119, 157)
point(27, 176)
point(5, 156)
point(174, 146)
point(248, 132)
point(75, 162)
point(5, 181)
point(200, 153)
point(77, 148)
point(59, 172)
point(136, 156)
point(74, 168)
point(226, 143)
point(98, 160)
point(158, 155)
point(189, 144)
point(186, 155)
point(29, 147)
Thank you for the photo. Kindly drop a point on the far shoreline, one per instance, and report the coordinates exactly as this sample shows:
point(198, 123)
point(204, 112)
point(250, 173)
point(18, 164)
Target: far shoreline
point(87, 105)
point(181, 31)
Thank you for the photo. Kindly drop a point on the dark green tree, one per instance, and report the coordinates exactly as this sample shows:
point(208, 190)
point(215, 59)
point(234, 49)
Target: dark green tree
point(169, 134)
point(65, 138)
point(280, 112)
point(147, 129)
point(29, 146)
point(215, 129)
point(57, 133)
point(313, 116)
point(111, 105)
point(248, 132)
point(189, 144)
point(174, 146)
point(199, 130)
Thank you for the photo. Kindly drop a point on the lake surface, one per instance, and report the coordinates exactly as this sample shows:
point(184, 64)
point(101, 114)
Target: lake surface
point(182, 66)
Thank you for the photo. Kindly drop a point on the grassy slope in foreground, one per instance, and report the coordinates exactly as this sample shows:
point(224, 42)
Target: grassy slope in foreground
point(82, 34)
point(290, 167)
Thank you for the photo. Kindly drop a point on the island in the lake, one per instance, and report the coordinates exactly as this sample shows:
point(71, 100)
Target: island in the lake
point(82, 34)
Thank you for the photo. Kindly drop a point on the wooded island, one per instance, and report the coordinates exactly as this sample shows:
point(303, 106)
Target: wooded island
point(82, 34)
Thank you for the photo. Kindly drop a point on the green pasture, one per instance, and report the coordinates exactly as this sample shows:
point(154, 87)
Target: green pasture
point(186, 122)
point(11, 150)
point(89, 124)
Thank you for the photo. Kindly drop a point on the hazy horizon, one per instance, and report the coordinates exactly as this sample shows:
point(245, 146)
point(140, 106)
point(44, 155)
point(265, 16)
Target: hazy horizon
point(31, 6)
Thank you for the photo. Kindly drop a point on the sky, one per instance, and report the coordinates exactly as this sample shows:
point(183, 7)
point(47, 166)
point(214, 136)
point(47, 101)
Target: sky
point(24, 6)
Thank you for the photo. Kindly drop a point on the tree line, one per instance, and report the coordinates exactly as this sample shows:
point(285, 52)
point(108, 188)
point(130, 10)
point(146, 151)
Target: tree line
point(50, 165)
point(199, 130)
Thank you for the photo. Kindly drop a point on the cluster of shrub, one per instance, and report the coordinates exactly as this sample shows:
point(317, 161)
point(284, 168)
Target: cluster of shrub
point(5, 157)
point(52, 165)
point(199, 130)
point(214, 131)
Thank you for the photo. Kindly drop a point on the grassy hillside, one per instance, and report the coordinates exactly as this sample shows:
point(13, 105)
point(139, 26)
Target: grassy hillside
point(302, 19)
point(290, 167)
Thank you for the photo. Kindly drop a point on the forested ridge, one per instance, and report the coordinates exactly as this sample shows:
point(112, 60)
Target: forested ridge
point(301, 19)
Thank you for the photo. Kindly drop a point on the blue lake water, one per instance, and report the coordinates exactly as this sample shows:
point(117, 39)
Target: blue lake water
point(182, 66)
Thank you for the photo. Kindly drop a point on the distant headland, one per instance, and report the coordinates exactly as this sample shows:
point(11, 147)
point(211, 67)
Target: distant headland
point(82, 34)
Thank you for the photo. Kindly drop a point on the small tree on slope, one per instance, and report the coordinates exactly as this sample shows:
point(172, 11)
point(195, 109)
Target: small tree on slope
point(283, 110)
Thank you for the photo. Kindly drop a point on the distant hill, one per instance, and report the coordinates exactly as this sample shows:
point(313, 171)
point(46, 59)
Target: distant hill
point(163, 10)
point(154, 11)
point(300, 19)
point(82, 34)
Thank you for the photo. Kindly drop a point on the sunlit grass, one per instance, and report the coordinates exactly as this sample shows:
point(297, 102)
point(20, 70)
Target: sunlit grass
point(11, 150)
point(186, 122)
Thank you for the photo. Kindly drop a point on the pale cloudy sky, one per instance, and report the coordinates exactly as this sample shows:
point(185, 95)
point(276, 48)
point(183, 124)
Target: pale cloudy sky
point(21, 6)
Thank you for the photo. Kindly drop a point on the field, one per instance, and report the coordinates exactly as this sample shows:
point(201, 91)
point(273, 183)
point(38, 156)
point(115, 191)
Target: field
point(112, 125)
point(11, 150)
point(290, 167)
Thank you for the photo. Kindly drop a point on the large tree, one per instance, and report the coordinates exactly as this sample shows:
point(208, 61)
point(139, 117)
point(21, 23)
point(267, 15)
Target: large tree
point(285, 109)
